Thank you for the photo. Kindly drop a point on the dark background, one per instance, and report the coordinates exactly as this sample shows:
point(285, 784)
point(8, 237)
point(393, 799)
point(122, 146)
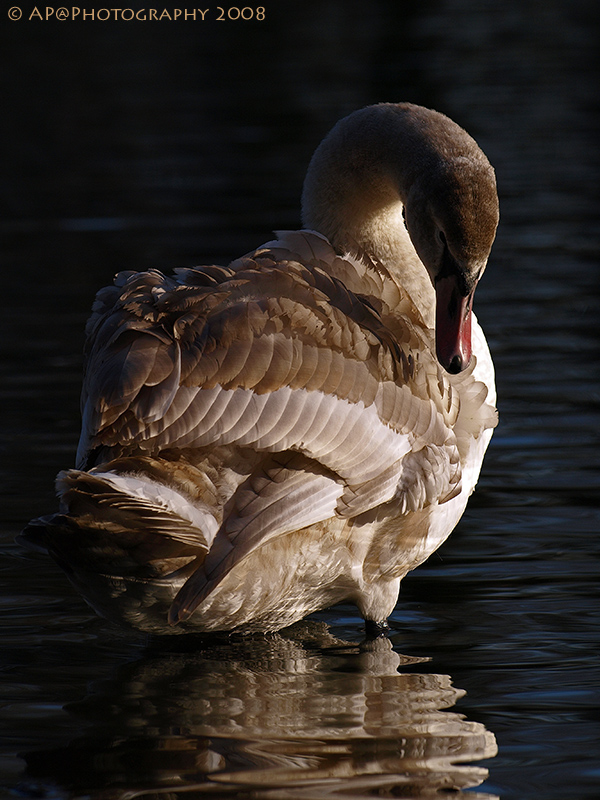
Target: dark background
point(131, 144)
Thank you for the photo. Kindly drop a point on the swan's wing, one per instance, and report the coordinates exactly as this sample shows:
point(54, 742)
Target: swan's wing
point(273, 355)
point(290, 492)
point(287, 492)
point(270, 354)
point(172, 361)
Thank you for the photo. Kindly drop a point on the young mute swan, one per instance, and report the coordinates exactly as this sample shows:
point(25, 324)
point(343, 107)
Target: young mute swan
point(304, 426)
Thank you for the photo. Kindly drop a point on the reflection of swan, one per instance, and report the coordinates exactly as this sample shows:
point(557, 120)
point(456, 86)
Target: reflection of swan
point(274, 437)
point(270, 715)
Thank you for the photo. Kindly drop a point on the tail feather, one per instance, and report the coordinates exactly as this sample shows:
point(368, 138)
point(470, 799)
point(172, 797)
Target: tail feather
point(105, 529)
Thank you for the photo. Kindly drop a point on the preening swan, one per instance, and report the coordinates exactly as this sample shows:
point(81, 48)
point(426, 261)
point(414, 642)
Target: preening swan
point(304, 426)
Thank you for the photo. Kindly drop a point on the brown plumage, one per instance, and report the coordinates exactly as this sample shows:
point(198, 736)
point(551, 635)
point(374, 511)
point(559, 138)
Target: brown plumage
point(268, 438)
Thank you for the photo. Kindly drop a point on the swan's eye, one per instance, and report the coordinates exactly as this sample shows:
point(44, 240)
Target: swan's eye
point(442, 238)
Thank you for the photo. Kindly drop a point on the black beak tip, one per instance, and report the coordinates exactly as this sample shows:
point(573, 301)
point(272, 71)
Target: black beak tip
point(456, 365)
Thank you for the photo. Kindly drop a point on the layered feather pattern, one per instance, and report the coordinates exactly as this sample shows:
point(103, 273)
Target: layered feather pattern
point(264, 439)
point(326, 388)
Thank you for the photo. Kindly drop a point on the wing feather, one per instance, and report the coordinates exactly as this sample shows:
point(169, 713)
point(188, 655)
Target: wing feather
point(288, 492)
point(273, 353)
point(312, 375)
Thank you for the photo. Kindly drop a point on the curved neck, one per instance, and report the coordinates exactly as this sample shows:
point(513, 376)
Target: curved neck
point(351, 184)
point(357, 185)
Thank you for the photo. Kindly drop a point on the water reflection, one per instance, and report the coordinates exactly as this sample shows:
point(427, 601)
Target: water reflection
point(298, 715)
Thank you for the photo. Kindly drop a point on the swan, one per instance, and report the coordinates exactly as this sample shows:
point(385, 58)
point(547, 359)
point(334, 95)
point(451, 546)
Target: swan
point(304, 426)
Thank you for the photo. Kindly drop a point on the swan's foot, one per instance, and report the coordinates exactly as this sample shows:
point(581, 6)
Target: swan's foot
point(376, 630)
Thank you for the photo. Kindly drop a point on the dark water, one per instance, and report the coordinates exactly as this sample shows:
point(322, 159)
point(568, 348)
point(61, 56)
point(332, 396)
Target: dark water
point(134, 145)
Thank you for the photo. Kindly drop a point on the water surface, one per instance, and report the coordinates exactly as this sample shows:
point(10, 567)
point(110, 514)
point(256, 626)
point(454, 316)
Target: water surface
point(159, 146)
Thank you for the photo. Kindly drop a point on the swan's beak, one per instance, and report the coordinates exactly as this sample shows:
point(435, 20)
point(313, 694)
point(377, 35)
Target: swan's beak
point(452, 324)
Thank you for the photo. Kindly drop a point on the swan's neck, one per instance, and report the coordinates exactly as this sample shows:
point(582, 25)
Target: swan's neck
point(354, 194)
point(383, 235)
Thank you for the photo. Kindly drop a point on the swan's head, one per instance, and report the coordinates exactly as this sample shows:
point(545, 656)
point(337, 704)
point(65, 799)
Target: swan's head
point(390, 155)
point(451, 215)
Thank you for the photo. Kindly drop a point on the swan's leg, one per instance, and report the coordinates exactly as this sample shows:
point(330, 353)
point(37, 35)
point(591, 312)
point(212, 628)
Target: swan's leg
point(376, 630)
